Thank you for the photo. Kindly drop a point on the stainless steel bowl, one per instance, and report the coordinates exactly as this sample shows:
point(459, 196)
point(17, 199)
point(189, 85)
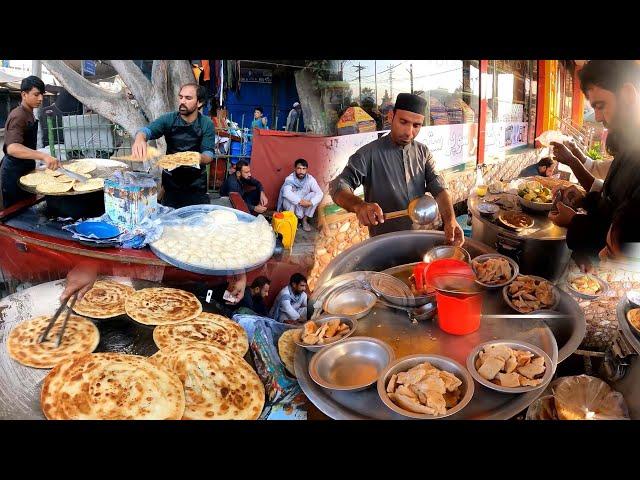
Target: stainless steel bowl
point(351, 365)
point(634, 297)
point(556, 295)
point(438, 361)
point(482, 258)
point(353, 302)
point(447, 251)
point(516, 345)
point(486, 208)
point(604, 286)
point(352, 322)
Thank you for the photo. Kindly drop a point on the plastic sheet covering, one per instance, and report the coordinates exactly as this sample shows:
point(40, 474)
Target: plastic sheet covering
point(583, 397)
point(284, 398)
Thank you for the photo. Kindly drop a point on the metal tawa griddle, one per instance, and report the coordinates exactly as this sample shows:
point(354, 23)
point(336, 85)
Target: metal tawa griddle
point(20, 385)
point(559, 337)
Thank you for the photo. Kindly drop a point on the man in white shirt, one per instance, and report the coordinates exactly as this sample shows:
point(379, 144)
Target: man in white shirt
point(290, 306)
point(590, 173)
point(300, 194)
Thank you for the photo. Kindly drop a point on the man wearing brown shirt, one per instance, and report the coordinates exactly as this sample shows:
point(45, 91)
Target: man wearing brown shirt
point(20, 142)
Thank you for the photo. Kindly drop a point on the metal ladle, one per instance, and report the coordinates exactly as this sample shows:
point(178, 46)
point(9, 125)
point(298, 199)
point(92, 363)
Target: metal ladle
point(421, 210)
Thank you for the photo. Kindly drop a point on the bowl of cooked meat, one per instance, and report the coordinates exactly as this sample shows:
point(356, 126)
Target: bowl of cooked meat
point(324, 331)
point(493, 270)
point(528, 293)
point(587, 286)
point(510, 366)
point(425, 386)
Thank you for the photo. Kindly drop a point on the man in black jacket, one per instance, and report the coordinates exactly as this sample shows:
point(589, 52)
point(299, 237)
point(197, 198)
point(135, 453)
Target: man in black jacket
point(251, 189)
point(613, 89)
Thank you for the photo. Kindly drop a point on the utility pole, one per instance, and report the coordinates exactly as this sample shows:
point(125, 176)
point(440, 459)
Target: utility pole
point(391, 83)
point(411, 75)
point(359, 68)
point(375, 78)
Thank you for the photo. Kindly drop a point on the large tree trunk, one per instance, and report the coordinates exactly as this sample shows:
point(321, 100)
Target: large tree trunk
point(180, 72)
point(315, 118)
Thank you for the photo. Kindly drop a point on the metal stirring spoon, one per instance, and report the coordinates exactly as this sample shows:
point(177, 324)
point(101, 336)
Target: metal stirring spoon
point(422, 210)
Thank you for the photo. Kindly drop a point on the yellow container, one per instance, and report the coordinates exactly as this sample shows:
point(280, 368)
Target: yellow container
point(286, 224)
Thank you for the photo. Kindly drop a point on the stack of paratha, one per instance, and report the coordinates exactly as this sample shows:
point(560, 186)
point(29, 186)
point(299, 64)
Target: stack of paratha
point(180, 159)
point(207, 328)
point(218, 385)
point(80, 336)
point(162, 306)
point(105, 300)
point(111, 386)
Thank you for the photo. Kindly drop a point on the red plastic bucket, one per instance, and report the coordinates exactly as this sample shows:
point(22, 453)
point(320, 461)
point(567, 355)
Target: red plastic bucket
point(457, 314)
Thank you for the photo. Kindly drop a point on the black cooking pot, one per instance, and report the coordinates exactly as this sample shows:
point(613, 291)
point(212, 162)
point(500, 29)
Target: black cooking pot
point(86, 205)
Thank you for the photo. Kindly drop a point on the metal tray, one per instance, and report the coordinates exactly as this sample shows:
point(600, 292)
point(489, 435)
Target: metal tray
point(631, 334)
point(604, 286)
point(186, 212)
point(403, 272)
point(105, 168)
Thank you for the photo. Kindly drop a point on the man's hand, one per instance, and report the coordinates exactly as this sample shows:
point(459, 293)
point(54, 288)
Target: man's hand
point(259, 209)
point(263, 200)
point(369, 214)
point(563, 216)
point(562, 154)
point(305, 203)
point(52, 162)
point(79, 280)
point(264, 121)
point(453, 234)
point(583, 262)
point(573, 148)
point(237, 284)
point(139, 149)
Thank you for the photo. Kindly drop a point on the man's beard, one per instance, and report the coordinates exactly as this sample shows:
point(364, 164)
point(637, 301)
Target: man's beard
point(185, 110)
point(301, 177)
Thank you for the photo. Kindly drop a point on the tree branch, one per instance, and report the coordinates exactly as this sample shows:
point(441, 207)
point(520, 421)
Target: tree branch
point(113, 106)
point(159, 79)
point(135, 80)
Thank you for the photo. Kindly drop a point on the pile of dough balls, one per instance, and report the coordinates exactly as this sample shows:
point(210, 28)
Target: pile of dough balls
point(219, 242)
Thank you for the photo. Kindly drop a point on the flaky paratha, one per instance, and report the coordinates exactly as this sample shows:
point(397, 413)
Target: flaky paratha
point(111, 386)
point(217, 385)
point(91, 184)
point(53, 173)
point(82, 167)
point(633, 316)
point(104, 300)
point(208, 328)
point(80, 336)
point(162, 306)
point(180, 159)
point(34, 179)
point(287, 350)
point(67, 179)
point(54, 187)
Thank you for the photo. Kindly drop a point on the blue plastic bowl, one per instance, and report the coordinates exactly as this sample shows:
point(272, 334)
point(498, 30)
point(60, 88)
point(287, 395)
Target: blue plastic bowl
point(101, 230)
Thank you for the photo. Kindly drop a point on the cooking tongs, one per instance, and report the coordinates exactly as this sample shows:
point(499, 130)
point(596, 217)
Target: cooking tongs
point(55, 318)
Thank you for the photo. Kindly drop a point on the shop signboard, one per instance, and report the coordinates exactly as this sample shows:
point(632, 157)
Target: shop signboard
point(256, 75)
point(502, 136)
point(89, 67)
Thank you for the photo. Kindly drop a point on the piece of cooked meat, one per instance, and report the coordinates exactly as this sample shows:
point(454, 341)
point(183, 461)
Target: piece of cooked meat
point(436, 401)
point(451, 382)
point(413, 406)
point(309, 328)
point(526, 382)
point(509, 379)
point(491, 367)
point(500, 351)
point(511, 364)
point(391, 386)
point(431, 382)
point(530, 370)
point(404, 390)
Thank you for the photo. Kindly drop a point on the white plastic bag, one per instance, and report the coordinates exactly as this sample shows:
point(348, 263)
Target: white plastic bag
point(549, 136)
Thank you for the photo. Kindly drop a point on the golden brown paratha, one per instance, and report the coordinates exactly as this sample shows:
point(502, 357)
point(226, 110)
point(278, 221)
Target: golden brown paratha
point(287, 350)
point(54, 187)
point(217, 385)
point(162, 306)
point(82, 167)
point(208, 328)
point(111, 386)
point(91, 184)
point(34, 179)
point(180, 159)
point(80, 336)
point(53, 173)
point(67, 179)
point(104, 300)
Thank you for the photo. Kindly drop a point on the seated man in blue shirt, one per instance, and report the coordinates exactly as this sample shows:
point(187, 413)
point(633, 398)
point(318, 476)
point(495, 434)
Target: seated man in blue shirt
point(544, 168)
point(186, 130)
point(249, 188)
